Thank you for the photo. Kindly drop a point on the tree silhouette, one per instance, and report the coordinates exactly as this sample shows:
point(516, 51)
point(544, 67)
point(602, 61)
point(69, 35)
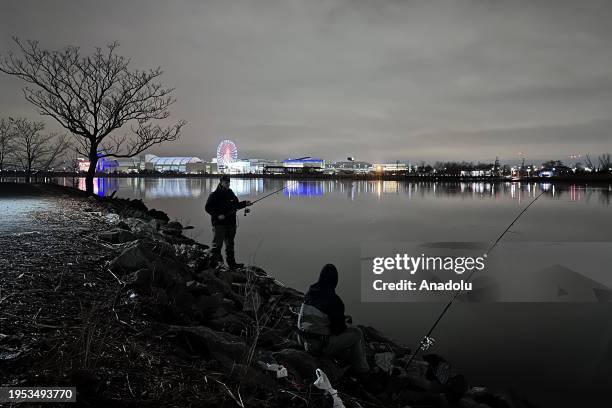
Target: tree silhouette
point(34, 150)
point(95, 97)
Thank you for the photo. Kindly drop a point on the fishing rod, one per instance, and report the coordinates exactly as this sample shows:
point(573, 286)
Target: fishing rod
point(247, 210)
point(427, 340)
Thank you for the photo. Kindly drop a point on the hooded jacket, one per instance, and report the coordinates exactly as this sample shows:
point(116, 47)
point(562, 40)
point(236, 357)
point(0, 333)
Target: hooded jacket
point(223, 201)
point(322, 306)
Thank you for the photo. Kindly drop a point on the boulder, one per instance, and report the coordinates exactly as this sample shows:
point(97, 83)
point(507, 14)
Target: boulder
point(112, 218)
point(213, 341)
point(139, 280)
point(140, 226)
point(117, 236)
point(145, 253)
point(196, 288)
point(158, 215)
point(172, 228)
point(234, 323)
point(205, 307)
point(122, 225)
point(384, 361)
point(302, 365)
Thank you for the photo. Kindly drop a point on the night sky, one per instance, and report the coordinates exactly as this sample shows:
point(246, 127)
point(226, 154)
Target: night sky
point(378, 80)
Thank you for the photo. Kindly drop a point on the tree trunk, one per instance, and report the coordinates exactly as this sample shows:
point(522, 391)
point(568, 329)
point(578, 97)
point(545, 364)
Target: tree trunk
point(28, 173)
point(91, 171)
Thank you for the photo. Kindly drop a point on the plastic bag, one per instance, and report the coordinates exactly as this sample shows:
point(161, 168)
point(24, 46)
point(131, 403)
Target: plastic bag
point(322, 383)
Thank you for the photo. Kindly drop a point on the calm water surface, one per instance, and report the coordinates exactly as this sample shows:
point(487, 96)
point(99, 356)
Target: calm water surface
point(557, 355)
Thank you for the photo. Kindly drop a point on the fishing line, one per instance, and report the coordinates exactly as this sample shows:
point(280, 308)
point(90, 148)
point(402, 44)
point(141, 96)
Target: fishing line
point(247, 210)
point(427, 341)
point(274, 192)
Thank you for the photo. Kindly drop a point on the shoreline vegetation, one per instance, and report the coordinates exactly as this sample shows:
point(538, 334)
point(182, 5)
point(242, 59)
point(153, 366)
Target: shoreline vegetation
point(582, 178)
point(109, 296)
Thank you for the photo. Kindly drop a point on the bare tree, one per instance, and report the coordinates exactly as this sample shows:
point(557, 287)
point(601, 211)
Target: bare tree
point(7, 134)
point(95, 97)
point(35, 150)
point(605, 163)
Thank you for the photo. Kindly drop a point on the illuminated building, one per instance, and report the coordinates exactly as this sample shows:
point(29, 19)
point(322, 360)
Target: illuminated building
point(351, 166)
point(390, 167)
point(303, 162)
point(188, 165)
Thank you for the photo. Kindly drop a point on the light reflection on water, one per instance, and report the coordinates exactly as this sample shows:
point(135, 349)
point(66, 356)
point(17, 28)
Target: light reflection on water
point(156, 188)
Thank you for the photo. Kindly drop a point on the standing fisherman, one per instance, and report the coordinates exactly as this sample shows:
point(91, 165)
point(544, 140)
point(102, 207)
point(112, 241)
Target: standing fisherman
point(222, 205)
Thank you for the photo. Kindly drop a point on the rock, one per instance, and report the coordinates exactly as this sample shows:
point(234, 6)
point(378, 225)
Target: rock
point(496, 399)
point(138, 204)
point(379, 343)
point(139, 226)
point(145, 253)
point(169, 274)
point(158, 215)
point(206, 275)
point(140, 280)
point(217, 285)
point(215, 342)
point(196, 288)
point(117, 236)
point(252, 301)
point(207, 305)
point(201, 263)
point(112, 218)
point(384, 361)
point(234, 323)
point(302, 365)
point(225, 275)
point(172, 228)
point(182, 298)
point(159, 296)
point(155, 224)
point(440, 369)
point(122, 225)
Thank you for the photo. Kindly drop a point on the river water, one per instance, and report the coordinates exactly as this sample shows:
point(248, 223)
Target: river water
point(556, 354)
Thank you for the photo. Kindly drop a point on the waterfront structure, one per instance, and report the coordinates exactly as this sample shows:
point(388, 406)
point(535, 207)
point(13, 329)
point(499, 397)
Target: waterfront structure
point(350, 167)
point(296, 166)
point(476, 173)
point(174, 164)
point(559, 170)
point(390, 167)
point(111, 165)
point(302, 162)
point(237, 167)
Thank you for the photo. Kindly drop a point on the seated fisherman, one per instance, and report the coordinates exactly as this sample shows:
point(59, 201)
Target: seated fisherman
point(322, 328)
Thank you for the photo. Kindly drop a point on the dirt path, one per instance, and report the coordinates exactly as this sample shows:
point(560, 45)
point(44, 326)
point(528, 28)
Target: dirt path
point(50, 279)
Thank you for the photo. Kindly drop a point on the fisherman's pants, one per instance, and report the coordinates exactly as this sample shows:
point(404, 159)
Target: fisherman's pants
point(221, 234)
point(348, 347)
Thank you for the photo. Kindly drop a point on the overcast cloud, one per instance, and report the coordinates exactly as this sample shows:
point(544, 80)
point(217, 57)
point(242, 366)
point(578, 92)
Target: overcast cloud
point(379, 80)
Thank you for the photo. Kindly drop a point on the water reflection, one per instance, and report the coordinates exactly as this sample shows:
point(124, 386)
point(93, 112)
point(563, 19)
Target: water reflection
point(305, 189)
point(154, 188)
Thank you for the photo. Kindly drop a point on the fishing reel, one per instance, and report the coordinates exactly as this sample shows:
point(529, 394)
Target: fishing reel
point(427, 343)
point(247, 211)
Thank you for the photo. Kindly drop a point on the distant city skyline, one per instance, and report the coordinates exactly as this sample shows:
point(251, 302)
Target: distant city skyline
point(380, 81)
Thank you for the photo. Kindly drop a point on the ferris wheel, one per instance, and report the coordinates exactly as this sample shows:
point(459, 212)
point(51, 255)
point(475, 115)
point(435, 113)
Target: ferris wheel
point(227, 152)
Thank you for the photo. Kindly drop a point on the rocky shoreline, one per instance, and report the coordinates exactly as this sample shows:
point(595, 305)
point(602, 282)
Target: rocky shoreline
point(119, 302)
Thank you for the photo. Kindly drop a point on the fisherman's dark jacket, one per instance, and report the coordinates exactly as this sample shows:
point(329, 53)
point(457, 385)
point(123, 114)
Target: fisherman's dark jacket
point(322, 300)
point(223, 201)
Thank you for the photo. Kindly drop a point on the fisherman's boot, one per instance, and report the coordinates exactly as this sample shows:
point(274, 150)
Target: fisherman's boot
point(216, 260)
